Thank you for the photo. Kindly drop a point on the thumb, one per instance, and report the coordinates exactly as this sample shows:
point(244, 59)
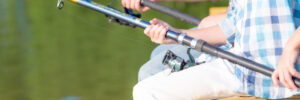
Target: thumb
point(159, 21)
point(162, 23)
point(154, 21)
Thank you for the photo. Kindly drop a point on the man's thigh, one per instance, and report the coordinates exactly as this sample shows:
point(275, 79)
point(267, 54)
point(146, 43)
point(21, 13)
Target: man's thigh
point(213, 79)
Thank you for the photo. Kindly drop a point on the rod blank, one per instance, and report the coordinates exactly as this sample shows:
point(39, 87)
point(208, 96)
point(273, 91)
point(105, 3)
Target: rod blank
point(171, 12)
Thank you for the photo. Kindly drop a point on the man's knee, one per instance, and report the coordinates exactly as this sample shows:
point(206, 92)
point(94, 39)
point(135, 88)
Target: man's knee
point(151, 68)
point(143, 74)
point(141, 93)
point(136, 92)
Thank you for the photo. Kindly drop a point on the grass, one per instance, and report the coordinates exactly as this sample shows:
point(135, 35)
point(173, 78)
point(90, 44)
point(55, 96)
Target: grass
point(50, 54)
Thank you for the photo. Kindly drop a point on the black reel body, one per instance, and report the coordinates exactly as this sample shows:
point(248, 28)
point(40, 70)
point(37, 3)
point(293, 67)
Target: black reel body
point(175, 62)
point(122, 22)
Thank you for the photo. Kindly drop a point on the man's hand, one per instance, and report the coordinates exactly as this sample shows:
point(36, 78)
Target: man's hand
point(286, 69)
point(157, 32)
point(135, 5)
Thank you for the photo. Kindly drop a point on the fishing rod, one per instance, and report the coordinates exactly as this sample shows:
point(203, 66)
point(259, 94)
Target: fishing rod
point(197, 44)
point(171, 12)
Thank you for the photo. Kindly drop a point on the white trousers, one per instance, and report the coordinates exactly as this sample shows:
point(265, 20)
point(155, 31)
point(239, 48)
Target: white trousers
point(206, 81)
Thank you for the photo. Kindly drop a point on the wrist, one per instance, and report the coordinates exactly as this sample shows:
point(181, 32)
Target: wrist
point(288, 50)
point(176, 30)
point(290, 47)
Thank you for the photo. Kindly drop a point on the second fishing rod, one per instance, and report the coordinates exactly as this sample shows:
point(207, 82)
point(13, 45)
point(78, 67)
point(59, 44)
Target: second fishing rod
point(171, 12)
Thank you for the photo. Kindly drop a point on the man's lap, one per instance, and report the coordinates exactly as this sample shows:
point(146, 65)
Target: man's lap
point(207, 80)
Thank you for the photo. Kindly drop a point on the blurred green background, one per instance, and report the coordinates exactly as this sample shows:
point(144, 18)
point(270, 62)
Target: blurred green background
point(74, 53)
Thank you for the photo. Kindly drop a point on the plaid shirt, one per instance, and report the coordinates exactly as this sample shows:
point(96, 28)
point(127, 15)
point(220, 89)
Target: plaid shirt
point(259, 30)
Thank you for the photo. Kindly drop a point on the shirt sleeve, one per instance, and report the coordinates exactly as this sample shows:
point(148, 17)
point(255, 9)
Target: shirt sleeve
point(297, 13)
point(229, 23)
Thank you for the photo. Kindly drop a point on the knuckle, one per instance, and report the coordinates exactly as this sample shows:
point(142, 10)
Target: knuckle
point(151, 30)
point(293, 72)
point(146, 31)
point(157, 31)
point(160, 41)
point(165, 30)
point(273, 75)
point(152, 40)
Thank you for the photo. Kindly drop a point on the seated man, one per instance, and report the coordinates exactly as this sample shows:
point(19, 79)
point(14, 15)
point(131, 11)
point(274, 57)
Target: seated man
point(259, 29)
point(154, 65)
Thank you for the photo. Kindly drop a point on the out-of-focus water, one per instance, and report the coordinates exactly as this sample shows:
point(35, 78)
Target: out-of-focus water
point(74, 53)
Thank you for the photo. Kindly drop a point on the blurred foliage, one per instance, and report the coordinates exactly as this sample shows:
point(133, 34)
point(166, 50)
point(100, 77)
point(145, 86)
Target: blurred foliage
point(51, 54)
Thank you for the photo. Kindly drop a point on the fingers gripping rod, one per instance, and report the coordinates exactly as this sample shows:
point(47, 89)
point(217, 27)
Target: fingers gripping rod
point(181, 38)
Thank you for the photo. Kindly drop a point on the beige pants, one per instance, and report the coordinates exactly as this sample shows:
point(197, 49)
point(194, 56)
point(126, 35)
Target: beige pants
point(210, 80)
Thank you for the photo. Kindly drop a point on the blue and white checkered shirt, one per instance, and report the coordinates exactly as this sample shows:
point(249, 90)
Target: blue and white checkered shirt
point(259, 30)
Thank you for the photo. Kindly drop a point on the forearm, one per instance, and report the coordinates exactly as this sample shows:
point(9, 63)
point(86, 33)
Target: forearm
point(294, 41)
point(213, 35)
point(212, 20)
